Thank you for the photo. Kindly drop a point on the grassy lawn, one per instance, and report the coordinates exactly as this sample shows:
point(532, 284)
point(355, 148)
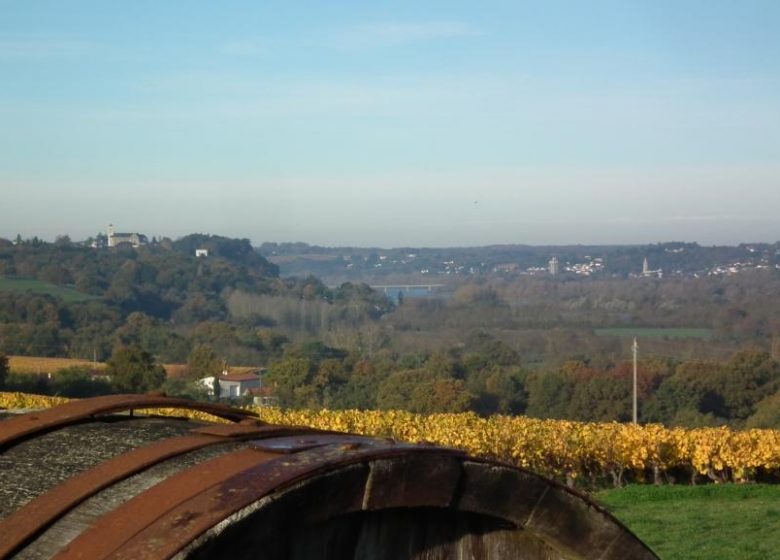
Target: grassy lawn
point(644, 332)
point(68, 295)
point(728, 522)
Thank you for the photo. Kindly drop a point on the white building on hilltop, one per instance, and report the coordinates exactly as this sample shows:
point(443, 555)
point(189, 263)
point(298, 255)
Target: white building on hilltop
point(132, 239)
point(647, 272)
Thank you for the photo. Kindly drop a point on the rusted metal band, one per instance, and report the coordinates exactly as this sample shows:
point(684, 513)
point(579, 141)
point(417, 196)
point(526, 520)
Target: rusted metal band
point(253, 429)
point(25, 425)
point(166, 518)
point(182, 525)
point(114, 529)
point(24, 524)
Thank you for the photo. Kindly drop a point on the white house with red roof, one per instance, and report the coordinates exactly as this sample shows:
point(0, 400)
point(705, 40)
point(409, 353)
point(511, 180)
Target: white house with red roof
point(233, 385)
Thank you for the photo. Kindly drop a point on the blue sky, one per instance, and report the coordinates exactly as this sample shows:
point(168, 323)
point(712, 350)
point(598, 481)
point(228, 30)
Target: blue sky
point(398, 123)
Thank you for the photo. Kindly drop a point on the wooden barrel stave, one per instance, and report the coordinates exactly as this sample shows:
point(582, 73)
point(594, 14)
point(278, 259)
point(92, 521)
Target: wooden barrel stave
point(33, 466)
point(303, 494)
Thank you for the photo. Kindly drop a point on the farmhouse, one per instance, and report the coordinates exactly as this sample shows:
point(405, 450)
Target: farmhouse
point(233, 385)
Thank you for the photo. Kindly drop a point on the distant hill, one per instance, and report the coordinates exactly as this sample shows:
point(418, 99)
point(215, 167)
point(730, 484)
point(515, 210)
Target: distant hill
point(83, 300)
point(69, 298)
point(156, 279)
point(375, 265)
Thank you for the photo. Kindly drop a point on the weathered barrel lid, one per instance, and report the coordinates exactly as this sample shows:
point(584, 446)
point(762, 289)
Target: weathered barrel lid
point(151, 488)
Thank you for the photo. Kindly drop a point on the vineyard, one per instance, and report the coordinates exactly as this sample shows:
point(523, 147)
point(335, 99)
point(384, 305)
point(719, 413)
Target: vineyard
point(585, 454)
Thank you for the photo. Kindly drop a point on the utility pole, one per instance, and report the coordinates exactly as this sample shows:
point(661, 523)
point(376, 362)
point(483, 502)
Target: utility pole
point(635, 349)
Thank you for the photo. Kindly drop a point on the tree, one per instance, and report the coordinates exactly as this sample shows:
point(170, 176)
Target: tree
point(134, 370)
point(602, 398)
point(767, 413)
point(203, 362)
point(396, 390)
point(78, 382)
point(331, 375)
point(185, 388)
point(498, 390)
point(288, 375)
point(3, 369)
point(548, 395)
point(747, 378)
point(63, 240)
point(423, 391)
point(442, 394)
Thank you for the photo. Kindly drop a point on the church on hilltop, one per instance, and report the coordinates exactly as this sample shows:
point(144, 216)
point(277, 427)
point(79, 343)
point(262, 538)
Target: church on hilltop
point(132, 239)
point(647, 272)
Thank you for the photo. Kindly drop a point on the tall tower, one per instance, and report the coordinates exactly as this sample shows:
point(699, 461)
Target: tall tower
point(110, 235)
point(645, 268)
point(553, 266)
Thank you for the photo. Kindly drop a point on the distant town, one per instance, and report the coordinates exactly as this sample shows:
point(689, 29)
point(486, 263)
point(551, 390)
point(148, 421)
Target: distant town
point(544, 331)
point(339, 264)
point(661, 260)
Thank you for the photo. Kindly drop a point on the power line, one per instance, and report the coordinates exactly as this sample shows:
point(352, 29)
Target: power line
point(635, 349)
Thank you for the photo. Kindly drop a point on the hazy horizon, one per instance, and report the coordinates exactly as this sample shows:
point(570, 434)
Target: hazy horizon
point(389, 125)
point(257, 244)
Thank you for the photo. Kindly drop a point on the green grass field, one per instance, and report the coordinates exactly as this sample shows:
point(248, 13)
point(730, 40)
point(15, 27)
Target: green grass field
point(712, 522)
point(19, 285)
point(650, 332)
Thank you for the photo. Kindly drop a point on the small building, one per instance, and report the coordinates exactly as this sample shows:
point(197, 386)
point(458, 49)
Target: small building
point(132, 239)
point(235, 385)
point(232, 385)
point(201, 253)
point(554, 266)
point(506, 267)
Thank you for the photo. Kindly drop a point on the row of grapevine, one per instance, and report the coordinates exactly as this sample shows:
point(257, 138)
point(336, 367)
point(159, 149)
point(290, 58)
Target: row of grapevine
point(570, 450)
point(562, 449)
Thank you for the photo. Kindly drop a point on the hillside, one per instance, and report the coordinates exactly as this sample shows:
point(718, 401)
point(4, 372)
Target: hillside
point(76, 300)
point(498, 342)
point(426, 265)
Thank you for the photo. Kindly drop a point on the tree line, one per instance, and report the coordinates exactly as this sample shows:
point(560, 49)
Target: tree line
point(164, 299)
point(484, 375)
point(498, 344)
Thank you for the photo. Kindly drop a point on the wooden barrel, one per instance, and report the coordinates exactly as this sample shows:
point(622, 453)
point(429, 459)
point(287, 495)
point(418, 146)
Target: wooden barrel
point(88, 480)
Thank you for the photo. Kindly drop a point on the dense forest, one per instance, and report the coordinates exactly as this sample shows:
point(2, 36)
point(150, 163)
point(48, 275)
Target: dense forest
point(67, 299)
point(489, 342)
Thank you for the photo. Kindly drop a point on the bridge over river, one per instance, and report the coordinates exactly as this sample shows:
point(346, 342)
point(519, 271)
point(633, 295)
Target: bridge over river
point(397, 291)
point(392, 291)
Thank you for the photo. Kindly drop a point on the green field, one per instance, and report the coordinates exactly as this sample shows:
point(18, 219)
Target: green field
point(651, 332)
point(712, 522)
point(20, 285)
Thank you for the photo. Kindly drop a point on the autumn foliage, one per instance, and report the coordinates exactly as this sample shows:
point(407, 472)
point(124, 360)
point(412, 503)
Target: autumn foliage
point(591, 453)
